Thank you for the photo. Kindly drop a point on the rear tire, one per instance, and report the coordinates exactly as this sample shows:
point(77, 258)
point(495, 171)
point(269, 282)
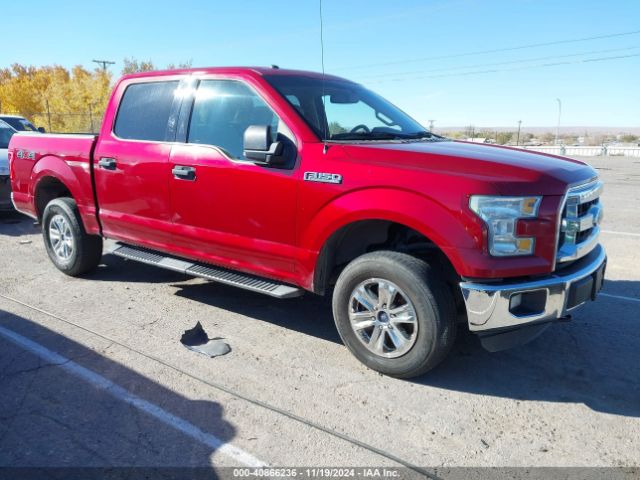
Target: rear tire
point(70, 248)
point(405, 324)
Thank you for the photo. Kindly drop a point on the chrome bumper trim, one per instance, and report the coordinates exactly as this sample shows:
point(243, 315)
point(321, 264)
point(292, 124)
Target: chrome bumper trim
point(488, 305)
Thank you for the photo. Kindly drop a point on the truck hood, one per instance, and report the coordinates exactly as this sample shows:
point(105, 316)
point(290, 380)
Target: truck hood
point(4, 161)
point(512, 171)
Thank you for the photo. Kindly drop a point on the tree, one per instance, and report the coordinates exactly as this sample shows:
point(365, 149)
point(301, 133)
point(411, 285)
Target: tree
point(132, 65)
point(627, 138)
point(180, 65)
point(61, 100)
point(504, 137)
point(548, 137)
point(335, 127)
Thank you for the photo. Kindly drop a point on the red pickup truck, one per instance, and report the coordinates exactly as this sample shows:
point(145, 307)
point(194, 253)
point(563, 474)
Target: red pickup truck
point(283, 181)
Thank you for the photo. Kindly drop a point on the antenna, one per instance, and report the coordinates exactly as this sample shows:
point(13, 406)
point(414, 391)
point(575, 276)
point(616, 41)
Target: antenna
point(324, 105)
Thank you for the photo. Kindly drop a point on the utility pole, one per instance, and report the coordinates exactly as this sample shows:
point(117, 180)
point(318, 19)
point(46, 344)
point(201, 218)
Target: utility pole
point(431, 125)
point(559, 114)
point(104, 63)
point(518, 137)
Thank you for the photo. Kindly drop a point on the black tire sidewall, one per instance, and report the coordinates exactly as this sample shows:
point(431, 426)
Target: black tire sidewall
point(426, 352)
point(62, 207)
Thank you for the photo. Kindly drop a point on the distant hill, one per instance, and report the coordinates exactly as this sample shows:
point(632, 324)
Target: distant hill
point(539, 130)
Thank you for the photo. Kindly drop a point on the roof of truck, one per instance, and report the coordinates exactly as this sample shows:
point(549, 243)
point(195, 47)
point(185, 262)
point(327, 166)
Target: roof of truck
point(259, 71)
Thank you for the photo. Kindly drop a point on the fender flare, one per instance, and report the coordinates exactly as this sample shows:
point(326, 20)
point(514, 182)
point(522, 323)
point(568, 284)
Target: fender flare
point(54, 167)
point(433, 220)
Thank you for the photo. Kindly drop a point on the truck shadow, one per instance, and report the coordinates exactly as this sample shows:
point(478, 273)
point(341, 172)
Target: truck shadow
point(309, 314)
point(15, 224)
point(56, 421)
point(592, 360)
point(118, 269)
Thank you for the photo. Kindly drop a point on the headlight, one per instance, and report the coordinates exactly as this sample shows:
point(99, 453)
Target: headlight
point(501, 214)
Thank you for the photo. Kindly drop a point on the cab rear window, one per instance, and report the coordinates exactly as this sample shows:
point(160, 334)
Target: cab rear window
point(144, 111)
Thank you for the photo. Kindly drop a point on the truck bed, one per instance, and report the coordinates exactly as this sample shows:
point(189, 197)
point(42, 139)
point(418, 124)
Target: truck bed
point(67, 157)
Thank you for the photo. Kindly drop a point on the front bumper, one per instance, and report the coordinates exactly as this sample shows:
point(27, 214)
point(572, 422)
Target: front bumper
point(5, 193)
point(505, 306)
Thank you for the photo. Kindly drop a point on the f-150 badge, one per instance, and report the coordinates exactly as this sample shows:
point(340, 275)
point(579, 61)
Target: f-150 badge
point(322, 177)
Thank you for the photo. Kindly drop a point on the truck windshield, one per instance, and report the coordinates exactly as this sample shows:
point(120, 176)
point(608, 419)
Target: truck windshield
point(342, 110)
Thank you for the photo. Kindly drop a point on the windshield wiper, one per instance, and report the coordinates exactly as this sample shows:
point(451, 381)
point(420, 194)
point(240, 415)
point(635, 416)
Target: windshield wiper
point(373, 136)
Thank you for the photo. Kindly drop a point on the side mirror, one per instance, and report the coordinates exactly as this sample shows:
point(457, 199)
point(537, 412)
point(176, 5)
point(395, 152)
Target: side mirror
point(42, 130)
point(258, 146)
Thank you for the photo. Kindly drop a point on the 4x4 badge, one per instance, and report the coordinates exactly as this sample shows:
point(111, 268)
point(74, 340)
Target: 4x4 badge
point(323, 177)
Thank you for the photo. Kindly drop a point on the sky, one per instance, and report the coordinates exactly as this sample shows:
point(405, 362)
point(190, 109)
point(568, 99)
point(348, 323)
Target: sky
point(456, 62)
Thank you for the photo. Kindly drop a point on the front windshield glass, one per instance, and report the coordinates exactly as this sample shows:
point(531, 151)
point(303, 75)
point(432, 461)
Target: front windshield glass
point(5, 135)
point(345, 110)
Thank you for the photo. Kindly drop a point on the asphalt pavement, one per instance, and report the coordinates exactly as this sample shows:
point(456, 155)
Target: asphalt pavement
point(92, 373)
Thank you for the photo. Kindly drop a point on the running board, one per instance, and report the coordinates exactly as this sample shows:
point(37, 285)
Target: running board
point(216, 274)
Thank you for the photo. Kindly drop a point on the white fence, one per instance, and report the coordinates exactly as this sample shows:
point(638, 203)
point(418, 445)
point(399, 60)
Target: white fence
point(610, 150)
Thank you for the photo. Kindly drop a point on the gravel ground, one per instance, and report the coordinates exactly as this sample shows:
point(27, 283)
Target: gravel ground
point(289, 393)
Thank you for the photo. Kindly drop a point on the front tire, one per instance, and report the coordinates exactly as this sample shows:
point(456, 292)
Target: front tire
point(70, 248)
point(394, 314)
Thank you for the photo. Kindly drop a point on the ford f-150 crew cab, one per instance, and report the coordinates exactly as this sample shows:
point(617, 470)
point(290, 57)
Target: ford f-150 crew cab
point(283, 181)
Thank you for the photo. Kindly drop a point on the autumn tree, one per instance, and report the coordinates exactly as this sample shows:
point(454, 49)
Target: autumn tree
point(132, 65)
point(61, 100)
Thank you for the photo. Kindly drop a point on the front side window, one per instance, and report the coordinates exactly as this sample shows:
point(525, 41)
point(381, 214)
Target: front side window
point(341, 110)
point(144, 111)
point(222, 111)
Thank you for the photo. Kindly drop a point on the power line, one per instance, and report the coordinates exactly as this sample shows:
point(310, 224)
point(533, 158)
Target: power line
point(509, 62)
point(495, 50)
point(497, 70)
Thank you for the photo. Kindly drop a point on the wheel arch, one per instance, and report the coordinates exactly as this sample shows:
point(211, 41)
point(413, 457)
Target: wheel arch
point(395, 220)
point(53, 178)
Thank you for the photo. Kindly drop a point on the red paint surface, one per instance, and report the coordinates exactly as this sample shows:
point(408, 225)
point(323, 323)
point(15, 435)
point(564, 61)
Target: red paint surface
point(269, 221)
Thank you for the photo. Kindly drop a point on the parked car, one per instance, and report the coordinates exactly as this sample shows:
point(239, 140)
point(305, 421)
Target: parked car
point(6, 132)
point(281, 182)
point(20, 124)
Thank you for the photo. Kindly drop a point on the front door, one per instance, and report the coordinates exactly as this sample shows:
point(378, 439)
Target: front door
point(227, 210)
point(131, 165)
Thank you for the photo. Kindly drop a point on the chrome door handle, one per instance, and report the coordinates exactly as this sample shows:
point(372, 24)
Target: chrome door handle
point(183, 172)
point(107, 163)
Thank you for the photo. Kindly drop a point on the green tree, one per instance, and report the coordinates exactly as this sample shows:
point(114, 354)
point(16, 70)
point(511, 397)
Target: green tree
point(627, 138)
point(335, 127)
point(505, 137)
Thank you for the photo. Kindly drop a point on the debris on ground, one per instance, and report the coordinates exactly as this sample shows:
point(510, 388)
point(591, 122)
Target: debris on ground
point(196, 339)
point(25, 242)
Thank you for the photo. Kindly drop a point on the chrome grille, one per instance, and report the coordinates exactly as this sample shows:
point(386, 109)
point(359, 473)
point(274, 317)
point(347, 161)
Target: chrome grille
point(580, 221)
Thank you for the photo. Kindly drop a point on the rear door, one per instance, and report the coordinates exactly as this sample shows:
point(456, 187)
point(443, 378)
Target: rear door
point(131, 163)
point(228, 210)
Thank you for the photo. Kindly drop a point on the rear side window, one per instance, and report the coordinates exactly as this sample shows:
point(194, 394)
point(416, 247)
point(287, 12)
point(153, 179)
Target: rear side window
point(144, 111)
point(222, 111)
